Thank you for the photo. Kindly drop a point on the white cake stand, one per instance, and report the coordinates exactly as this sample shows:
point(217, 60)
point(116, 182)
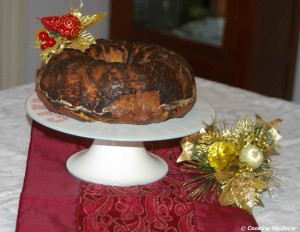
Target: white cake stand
point(117, 155)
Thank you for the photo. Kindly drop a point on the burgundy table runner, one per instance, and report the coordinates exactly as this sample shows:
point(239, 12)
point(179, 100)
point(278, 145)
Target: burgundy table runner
point(53, 200)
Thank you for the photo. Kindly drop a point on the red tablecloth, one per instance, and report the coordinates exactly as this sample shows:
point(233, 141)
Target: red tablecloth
point(53, 200)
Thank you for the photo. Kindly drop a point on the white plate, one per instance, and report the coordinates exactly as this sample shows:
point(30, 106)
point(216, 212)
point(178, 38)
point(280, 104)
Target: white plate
point(191, 123)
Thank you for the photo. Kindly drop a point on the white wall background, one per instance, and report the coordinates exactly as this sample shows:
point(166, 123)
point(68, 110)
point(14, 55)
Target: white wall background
point(12, 42)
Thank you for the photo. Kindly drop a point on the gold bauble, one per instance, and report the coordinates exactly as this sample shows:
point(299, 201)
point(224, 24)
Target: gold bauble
point(221, 156)
point(251, 156)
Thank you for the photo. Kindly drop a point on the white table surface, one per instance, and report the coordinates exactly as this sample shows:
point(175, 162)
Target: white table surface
point(281, 213)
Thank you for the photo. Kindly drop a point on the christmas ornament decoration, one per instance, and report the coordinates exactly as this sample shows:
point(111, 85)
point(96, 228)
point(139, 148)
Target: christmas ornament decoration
point(221, 155)
point(68, 25)
point(231, 163)
point(66, 31)
point(251, 156)
point(50, 23)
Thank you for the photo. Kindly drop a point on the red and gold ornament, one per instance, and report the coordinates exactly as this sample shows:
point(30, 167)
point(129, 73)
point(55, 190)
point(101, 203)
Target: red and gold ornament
point(67, 31)
point(68, 25)
point(48, 42)
point(50, 23)
point(43, 35)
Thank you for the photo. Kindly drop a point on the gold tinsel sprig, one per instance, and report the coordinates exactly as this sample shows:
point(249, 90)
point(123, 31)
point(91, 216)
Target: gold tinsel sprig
point(231, 163)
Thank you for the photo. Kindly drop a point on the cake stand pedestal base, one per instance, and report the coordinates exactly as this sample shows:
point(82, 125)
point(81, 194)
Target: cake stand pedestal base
point(117, 163)
point(118, 156)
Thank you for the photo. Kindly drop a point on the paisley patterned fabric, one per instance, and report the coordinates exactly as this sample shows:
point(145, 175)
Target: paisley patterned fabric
point(160, 206)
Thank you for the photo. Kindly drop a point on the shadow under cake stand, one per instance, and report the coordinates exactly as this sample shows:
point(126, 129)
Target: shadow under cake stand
point(117, 156)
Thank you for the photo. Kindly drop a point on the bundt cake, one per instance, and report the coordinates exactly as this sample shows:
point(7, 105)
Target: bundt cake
point(118, 81)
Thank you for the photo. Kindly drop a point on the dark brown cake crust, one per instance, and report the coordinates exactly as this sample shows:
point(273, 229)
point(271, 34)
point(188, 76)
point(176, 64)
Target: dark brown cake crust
point(118, 82)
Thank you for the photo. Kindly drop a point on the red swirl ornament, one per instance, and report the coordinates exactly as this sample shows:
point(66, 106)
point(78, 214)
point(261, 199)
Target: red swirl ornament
point(67, 26)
